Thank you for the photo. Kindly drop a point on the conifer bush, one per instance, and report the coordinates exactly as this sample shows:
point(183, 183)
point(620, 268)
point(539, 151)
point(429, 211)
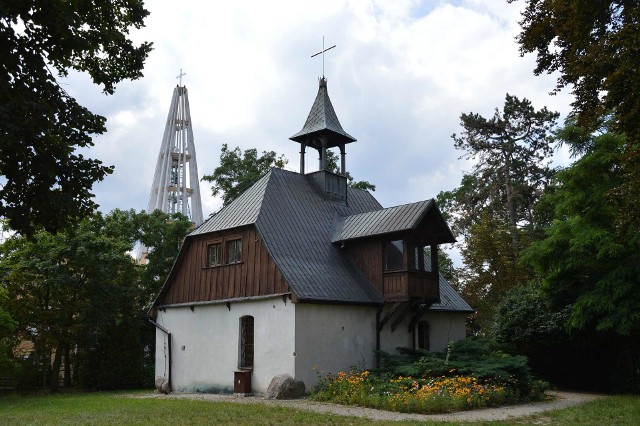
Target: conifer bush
point(470, 374)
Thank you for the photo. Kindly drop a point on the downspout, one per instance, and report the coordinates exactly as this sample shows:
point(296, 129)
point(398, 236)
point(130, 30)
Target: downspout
point(165, 331)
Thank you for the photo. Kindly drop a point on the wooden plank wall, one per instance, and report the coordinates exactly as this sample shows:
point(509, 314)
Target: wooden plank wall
point(368, 255)
point(256, 275)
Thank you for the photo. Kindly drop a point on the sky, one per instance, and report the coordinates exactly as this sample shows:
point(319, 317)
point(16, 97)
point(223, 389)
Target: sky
point(399, 77)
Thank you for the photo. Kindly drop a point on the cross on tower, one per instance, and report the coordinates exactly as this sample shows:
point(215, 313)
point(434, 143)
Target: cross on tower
point(180, 76)
point(323, 50)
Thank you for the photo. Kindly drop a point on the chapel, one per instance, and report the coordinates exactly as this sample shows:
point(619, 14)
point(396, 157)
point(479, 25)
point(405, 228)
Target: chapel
point(301, 275)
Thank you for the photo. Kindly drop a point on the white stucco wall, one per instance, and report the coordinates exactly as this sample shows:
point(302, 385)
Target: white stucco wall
point(445, 327)
point(333, 338)
point(328, 339)
point(205, 344)
point(400, 337)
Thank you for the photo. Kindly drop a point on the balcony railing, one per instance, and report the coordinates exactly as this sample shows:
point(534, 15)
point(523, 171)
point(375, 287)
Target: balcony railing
point(403, 286)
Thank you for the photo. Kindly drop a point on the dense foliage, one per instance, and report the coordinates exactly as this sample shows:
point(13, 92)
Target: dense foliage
point(580, 312)
point(470, 374)
point(493, 209)
point(79, 300)
point(593, 46)
point(46, 183)
point(583, 260)
point(474, 357)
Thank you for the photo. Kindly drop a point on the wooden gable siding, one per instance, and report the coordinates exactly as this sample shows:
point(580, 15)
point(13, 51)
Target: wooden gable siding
point(256, 275)
point(368, 255)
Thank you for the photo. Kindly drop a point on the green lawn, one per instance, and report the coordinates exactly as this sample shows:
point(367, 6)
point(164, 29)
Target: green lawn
point(114, 409)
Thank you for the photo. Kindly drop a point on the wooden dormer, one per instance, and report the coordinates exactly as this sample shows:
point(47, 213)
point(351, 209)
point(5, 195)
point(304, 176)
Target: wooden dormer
point(397, 249)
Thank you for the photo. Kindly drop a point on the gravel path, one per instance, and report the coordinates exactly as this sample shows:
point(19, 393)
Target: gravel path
point(560, 400)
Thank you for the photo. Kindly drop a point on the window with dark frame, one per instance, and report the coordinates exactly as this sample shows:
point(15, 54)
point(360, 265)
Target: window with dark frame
point(214, 254)
point(234, 251)
point(246, 342)
point(423, 335)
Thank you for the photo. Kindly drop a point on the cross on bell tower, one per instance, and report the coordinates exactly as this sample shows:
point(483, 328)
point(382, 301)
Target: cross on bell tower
point(322, 130)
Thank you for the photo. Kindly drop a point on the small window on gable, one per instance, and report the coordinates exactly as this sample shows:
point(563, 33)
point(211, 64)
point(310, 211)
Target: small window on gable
point(394, 255)
point(234, 251)
point(214, 254)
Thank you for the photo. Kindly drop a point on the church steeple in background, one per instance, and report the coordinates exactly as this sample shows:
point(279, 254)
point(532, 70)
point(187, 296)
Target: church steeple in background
point(176, 184)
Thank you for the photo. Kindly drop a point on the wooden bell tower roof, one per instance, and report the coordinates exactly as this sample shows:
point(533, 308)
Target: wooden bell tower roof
point(322, 121)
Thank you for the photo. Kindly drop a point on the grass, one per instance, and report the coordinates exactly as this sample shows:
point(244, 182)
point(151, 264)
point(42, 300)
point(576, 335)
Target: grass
point(117, 409)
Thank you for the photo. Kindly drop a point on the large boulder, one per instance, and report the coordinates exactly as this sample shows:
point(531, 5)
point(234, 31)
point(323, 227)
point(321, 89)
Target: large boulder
point(284, 387)
point(162, 385)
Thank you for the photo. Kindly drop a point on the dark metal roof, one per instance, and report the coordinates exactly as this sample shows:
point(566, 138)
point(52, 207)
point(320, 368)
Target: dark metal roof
point(384, 221)
point(323, 118)
point(296, 223)
point(242, 211)
point(450, 300)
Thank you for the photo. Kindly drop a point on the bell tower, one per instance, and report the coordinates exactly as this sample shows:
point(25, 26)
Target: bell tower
point(322, 131)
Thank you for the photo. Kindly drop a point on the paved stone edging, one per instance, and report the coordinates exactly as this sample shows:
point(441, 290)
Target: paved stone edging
point(561, 400)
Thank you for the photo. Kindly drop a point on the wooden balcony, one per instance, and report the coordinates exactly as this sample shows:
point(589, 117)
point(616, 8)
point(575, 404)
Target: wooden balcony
point(404, 286)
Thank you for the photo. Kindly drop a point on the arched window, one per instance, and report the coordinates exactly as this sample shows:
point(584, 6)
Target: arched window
point(246, 342)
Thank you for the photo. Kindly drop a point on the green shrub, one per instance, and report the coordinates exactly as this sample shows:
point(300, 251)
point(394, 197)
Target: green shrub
point(475, 357)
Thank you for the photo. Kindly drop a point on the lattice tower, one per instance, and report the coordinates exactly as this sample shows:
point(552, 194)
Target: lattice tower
point(176, 187)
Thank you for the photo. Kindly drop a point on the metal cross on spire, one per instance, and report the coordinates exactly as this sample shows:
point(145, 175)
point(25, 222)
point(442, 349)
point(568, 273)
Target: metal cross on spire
point(180, 76)
point(323, 50)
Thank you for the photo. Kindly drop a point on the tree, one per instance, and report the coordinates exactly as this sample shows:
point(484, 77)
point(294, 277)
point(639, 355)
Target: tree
point(46, 183)
point(82, 300)
point(239, 170)
point(588, 269)
point(493, 209)
point(490, 269)
point(511, 150)
point(7, 328)
point(526, 324)
point(164, 234)
point(583, 261)
point(593, 45)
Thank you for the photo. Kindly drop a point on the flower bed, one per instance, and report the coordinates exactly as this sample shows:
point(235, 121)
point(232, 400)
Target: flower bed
point(413, 395)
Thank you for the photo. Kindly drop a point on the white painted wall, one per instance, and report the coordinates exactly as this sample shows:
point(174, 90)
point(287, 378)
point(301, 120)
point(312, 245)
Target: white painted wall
point(445, 327)
point(333, 338)
point(329, 339)
point(205, 344)
point(400, 337)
